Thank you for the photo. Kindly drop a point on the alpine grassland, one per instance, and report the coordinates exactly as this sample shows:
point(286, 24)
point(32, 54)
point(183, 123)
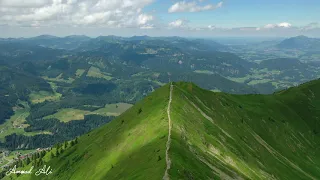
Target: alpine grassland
point(213, 135)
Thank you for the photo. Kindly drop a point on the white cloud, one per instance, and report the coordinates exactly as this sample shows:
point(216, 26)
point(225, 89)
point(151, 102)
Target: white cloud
point(144, 19)
point(211, 27)
point(273, 26)
point(269, 26)
point(179, 23)
point(147, 26)
point(110, 13)
point(184, 6)
point(284, 24)
point(280, 25)
point(24, 3)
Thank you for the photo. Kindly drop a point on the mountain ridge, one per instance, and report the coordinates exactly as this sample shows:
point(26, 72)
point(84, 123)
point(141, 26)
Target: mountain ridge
point(213, 135)
point(300, 42)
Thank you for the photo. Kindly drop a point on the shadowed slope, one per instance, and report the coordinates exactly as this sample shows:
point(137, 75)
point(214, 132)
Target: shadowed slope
point(217, 135)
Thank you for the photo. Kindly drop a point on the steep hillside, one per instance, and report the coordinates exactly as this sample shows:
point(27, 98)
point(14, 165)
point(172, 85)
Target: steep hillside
point(185, 132)
point(300, 42)
point(137, 138)
point(283, 64)
point(17, 85)
point(246, 137)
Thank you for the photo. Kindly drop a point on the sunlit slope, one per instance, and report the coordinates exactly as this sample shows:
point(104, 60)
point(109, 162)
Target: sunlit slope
point(222, 136)
point(213, 136)
point(130, 147)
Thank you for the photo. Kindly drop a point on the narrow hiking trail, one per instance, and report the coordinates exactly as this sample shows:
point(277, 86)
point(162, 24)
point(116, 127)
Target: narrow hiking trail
point(168, 160)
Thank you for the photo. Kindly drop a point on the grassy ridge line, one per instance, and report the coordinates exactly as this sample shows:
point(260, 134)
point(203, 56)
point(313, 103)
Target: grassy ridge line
point(168, 160)
point(212, 136)
point(132, 146)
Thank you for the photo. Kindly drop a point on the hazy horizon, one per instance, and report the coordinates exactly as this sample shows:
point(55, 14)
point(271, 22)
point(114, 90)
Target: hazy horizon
point(163, 36)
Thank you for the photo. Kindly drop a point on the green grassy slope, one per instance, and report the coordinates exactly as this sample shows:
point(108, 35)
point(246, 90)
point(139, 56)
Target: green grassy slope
point(116, 150)
point(246, 137)
point(213, 136)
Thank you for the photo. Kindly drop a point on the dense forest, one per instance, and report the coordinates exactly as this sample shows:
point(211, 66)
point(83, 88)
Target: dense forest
point(17, 85)
point(60, 132)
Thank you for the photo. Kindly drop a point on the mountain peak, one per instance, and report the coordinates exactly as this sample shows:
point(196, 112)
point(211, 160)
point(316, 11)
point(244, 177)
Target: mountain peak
point(139, 38)
point(45, 37)
point(301, 37)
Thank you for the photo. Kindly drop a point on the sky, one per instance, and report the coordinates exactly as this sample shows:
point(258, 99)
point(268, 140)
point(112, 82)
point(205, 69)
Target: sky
point(188, 18)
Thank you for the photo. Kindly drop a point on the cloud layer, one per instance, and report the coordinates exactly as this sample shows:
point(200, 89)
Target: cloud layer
point(127, 16)
point(184, 6)
point(179, 23)
point(111, 13)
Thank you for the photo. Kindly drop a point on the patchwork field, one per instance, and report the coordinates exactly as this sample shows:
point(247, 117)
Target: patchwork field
point(159, 83)
point(113, 109)
point(266, 76)
point(17, 123)
point(69, 114)
point(215, 90)
point(53, 86)
point(41, 96)
point(59, 79)
point(95, 72)
point(203, 72)
point(80, 72)
point(240, 79)
point(260, 81)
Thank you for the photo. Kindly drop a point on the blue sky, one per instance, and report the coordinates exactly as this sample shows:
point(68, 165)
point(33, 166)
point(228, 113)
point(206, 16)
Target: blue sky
point(160, 17)
point(246, 13)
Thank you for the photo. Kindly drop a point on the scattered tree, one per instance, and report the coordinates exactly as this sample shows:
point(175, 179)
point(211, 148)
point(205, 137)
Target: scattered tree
point(28, 161)
point(57, 152)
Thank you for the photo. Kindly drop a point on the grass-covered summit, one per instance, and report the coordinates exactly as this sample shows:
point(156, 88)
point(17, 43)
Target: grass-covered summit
point(211, 136)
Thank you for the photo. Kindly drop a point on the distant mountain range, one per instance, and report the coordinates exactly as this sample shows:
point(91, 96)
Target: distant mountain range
point(76, 41)
point(300, 42)
point(45, 76)
point(155, 53)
